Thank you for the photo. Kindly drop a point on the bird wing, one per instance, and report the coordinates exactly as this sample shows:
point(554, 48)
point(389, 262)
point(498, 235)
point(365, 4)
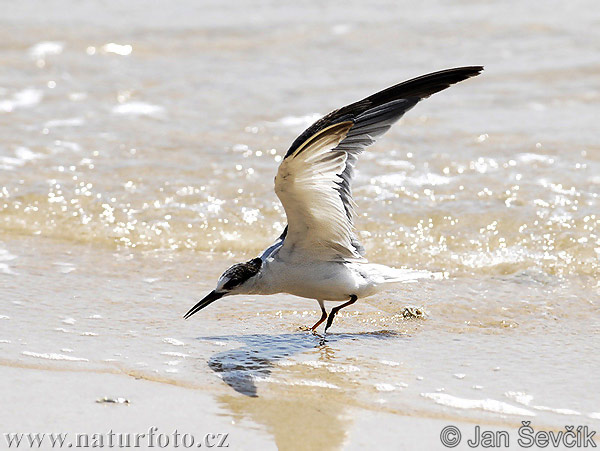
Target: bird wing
point(314, 179)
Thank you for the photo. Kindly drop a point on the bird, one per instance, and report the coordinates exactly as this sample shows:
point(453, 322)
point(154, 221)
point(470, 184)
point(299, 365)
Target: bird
point(318, 255)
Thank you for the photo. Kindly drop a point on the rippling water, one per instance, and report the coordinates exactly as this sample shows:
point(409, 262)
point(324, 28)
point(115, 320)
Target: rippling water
point(137, 163)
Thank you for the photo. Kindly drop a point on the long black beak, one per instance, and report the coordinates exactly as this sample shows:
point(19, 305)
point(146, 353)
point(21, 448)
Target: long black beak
point(209, 299)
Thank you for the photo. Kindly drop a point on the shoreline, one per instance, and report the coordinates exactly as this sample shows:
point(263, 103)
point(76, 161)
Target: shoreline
point(65, 400)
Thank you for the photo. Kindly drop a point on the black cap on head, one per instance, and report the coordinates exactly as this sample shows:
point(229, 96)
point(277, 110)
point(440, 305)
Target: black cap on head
point(241, 272)
point(236, 275)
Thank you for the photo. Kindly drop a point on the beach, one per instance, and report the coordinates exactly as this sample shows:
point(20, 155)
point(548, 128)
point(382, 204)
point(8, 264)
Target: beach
point(139, 147)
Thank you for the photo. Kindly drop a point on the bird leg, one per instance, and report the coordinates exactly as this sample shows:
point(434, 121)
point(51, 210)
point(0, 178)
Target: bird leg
point(323, 317)
point(318, 323)
point(334, 310)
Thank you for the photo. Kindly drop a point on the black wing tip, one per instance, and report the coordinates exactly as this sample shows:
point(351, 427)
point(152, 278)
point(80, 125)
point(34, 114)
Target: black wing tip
point(477, 69)
point(456, 75)
point(451, 76)
point(467, 71)
point(416, 89)
point(425, 85)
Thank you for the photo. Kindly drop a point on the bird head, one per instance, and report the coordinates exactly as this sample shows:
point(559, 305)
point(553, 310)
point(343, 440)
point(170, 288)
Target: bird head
point(239, 279)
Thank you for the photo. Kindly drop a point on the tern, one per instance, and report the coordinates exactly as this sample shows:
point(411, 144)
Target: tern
point(318, 255)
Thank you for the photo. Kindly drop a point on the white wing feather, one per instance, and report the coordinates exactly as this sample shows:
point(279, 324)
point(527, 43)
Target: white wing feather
point(307, 184)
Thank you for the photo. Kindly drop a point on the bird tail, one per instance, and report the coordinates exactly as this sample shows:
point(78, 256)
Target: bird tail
point(395, 275)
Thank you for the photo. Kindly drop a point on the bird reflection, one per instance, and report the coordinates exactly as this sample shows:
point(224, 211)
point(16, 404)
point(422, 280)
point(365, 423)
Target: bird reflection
point(240, 368)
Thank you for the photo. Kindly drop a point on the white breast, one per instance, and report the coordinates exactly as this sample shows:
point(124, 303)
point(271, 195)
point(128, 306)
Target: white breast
point(328, 281)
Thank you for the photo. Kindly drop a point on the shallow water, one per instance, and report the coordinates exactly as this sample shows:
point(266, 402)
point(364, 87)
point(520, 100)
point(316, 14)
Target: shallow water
point(137, 163)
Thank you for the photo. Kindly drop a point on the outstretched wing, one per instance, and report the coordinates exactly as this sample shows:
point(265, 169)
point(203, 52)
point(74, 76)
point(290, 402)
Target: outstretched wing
point(314, 178)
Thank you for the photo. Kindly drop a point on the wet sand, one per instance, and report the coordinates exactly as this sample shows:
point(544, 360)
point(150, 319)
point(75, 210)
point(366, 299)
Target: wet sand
point(139, 146)
point(67, 401)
